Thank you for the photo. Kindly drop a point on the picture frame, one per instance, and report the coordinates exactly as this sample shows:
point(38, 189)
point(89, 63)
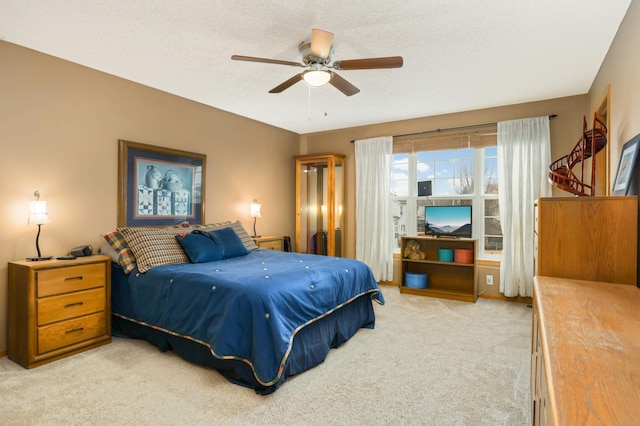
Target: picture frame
point(159, 186)
point(627, 168)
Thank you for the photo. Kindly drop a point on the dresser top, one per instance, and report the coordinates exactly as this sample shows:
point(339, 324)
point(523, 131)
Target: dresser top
point(590, 335)
point(55, 263)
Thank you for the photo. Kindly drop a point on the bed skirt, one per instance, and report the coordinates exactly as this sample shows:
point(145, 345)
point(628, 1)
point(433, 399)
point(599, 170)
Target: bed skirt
point(310, 345)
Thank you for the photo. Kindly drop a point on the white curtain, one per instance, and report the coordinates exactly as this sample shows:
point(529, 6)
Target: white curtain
point(374, 223)
point(524, 155)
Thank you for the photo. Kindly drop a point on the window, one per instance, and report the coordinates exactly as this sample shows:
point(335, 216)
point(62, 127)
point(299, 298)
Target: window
point(459, 176)
point(492, 229)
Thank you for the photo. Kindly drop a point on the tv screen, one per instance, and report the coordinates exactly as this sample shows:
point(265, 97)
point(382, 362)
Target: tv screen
point(451, 221)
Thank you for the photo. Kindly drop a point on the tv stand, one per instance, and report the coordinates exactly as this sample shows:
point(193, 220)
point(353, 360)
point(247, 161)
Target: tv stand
point(447, 280)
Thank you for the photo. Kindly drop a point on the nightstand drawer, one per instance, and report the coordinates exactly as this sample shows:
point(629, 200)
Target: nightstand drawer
point(273, 244)
point(71, 305)
point(72, 278)
point(69, 332)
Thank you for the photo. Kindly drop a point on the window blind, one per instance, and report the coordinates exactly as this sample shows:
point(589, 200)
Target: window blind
point(439, 140)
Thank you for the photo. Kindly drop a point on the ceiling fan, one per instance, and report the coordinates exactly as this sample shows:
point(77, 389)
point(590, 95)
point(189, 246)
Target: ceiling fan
point(316, 57)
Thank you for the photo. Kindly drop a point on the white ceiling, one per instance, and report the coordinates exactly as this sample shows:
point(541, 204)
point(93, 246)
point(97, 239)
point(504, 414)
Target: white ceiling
point(459, 55)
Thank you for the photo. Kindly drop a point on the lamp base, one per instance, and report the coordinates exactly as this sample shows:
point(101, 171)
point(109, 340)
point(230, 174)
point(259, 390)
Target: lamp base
point(36, 259)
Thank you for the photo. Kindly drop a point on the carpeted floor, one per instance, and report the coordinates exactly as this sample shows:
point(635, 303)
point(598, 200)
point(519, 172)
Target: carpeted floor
point(427, 362)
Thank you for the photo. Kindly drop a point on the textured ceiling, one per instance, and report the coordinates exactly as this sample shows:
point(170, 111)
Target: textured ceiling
point(458, 55)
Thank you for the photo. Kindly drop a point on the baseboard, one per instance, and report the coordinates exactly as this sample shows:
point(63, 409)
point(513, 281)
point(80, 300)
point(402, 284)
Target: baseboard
point(3, 353)
point(518, 299)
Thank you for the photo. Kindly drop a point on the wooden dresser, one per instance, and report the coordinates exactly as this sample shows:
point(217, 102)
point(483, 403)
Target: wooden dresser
point(58, 308)
point(585, 353)
point(587, 238)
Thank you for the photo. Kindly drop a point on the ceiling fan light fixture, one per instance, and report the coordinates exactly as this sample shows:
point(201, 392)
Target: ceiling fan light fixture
point(316, 78)
point(316, 57)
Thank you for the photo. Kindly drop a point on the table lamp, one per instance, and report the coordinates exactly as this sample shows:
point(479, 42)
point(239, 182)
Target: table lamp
point(38, 216)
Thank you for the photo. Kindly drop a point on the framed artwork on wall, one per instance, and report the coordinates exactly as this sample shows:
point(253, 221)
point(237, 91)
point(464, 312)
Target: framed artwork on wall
point(626, 180)
point(159, 186)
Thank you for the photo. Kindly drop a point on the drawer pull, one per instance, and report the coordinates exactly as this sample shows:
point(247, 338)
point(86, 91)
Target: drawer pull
point(76, 278)
point(70, 305)
point(75, 330)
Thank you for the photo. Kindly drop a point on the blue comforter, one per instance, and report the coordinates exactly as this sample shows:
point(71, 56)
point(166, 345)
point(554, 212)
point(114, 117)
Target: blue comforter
point(250, 307)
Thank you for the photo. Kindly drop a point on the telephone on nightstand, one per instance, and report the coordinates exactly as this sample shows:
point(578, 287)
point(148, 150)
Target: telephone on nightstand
point(81, 251)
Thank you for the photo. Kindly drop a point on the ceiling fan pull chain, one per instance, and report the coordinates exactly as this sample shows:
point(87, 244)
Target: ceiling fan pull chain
point(309, 103)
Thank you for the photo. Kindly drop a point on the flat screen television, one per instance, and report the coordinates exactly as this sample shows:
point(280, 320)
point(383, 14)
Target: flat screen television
point(448, 221)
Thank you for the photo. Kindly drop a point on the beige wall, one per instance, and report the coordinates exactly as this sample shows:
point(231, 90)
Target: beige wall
point(59, 129)
point(621, 69)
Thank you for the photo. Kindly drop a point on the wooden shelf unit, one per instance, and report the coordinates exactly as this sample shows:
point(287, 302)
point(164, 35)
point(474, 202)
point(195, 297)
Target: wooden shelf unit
point(447, 280)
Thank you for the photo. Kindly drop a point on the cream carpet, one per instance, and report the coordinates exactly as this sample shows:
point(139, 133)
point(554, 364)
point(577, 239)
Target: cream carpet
point(427, 362)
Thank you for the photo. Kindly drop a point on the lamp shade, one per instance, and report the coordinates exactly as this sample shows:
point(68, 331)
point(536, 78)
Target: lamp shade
point(38, 212)
point(254, 209)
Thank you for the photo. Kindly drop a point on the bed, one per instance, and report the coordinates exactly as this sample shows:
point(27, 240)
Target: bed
point(257, 318)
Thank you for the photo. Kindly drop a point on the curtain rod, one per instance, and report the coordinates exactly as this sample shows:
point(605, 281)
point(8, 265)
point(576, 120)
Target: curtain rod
point(475, 126)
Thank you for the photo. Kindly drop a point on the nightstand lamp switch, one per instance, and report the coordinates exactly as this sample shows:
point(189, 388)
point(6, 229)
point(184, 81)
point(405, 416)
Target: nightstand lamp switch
point(38, 216)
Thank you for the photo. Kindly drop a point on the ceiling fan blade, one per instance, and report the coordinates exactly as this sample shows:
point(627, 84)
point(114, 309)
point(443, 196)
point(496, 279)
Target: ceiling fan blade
point(321, 43)
point(268, 61)
point(369, 64)
point(343, 85)
point(282, 87)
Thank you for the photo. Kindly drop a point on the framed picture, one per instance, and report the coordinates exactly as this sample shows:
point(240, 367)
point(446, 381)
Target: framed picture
point(626, 174)
point(159, 186)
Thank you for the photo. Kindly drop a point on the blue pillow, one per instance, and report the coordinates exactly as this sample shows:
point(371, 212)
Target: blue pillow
point(200, 247)
point(231, 243)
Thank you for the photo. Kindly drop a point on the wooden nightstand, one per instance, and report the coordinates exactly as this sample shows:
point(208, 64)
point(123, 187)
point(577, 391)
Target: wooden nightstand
point(269, 242)
point(58, 308)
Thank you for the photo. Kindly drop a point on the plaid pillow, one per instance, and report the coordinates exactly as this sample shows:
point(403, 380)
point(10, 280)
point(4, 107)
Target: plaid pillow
point(247, 241)
point(155, 246)
point(126, 259)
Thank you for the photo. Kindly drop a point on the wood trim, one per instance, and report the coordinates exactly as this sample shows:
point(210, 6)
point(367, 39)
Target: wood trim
point(488, 262)
point(603, 110)
point(3, 353)
point(518, 299)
